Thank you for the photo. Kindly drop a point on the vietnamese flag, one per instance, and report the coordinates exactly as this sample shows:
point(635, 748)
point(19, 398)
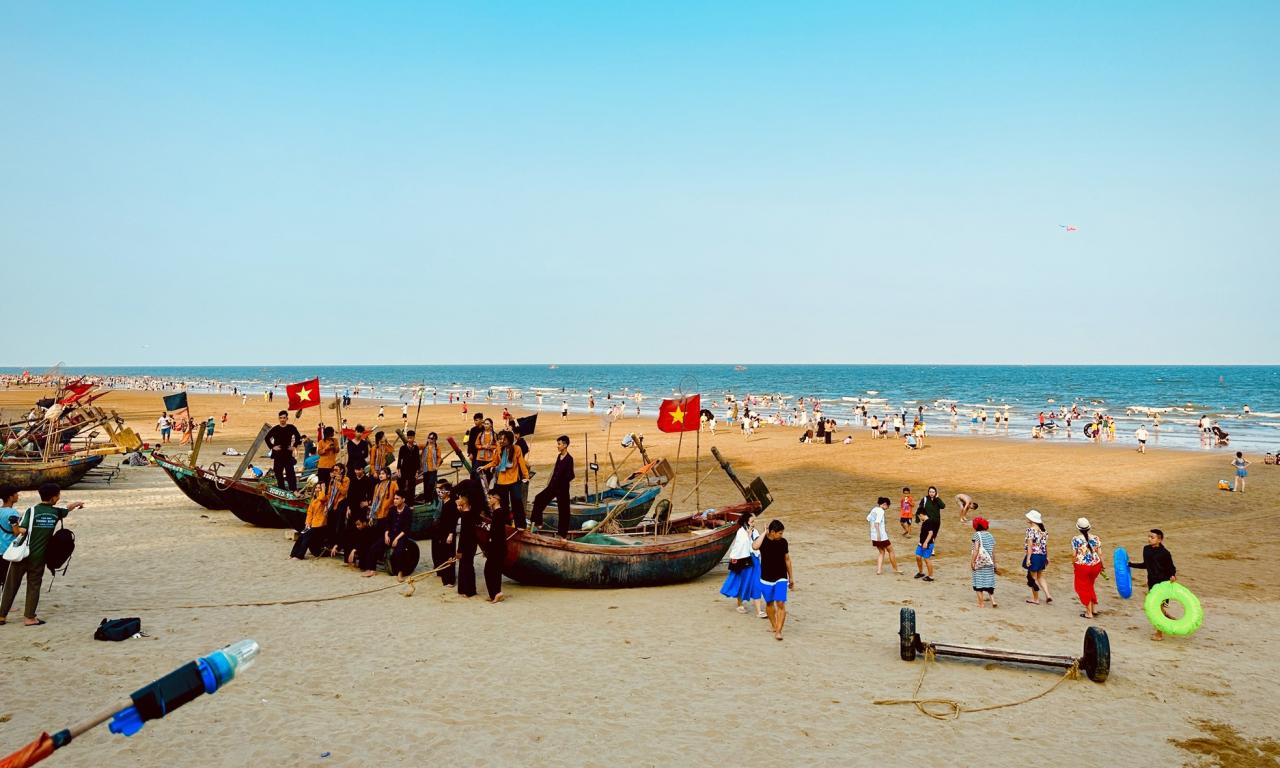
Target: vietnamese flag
point(304, 394)
point(75, 390)
point(680, 415)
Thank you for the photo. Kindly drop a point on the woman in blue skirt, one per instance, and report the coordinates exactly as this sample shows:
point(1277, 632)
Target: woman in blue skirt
point(743, 581)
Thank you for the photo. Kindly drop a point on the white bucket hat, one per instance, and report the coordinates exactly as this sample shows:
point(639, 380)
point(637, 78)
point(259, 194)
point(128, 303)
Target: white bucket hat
point(1083, 524)
point(1034, 517)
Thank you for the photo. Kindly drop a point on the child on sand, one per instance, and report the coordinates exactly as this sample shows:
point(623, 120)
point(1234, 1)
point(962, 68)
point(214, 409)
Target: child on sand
point(1158, 564)
point(880, 536)
point(931, 509)
point(906, 508)
point(775, 575)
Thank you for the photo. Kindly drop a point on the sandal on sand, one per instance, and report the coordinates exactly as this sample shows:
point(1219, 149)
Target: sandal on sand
point(742, 609)
point(1034, 602)
point(38, 622)
point(1048, 600)
point(762, 615)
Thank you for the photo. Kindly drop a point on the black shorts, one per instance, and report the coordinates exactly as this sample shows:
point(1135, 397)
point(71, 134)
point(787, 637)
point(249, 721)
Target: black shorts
point(988, 590)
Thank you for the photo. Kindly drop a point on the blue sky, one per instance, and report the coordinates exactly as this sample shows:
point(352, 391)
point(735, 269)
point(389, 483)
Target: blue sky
point(282, 183)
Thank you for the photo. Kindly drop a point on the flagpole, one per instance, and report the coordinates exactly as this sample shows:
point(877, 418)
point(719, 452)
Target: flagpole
point(697, 465)
point(679, 444)
point(421, 387)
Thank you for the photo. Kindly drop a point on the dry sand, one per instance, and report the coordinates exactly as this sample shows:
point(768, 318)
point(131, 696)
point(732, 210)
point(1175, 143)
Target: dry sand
point(671, 675)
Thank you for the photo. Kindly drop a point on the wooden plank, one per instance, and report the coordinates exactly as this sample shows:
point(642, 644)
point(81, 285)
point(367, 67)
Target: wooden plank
point(254, 447)
point(1014, 657)
point(195, 446)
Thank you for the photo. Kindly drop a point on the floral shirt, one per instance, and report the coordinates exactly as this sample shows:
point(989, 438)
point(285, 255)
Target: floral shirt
point(1037, 541)
point(1087, 555)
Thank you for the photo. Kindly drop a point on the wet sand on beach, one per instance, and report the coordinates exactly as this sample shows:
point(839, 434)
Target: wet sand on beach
point(670, 675)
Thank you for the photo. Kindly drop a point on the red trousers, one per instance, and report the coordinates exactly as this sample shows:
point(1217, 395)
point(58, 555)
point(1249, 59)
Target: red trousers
point(1086, 575)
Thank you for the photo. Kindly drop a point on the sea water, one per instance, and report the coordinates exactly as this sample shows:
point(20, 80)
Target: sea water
point(1182, 394)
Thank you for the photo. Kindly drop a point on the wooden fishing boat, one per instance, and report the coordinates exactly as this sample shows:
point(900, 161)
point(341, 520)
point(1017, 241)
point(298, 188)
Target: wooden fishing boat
point(635, 506)
point(626, 560)
point(29, 474)
point(202, 486)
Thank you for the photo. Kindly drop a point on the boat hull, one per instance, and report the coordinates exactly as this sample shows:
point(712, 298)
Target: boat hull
point(249, 502)
point(30, 475)
point(540, 560)
point(199, 485)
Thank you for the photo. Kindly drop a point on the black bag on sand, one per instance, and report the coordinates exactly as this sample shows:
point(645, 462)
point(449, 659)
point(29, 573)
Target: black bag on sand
point(118, 629)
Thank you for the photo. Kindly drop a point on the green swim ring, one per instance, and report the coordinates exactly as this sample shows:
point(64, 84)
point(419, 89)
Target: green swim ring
point(1192, 611)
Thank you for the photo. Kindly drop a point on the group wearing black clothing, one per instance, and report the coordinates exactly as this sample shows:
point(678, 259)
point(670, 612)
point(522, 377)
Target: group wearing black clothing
point(557, 488)
point(444, 534)
point(456, 532)
point(282, 440)
point(359, 498)
point(408, 464)
point(358, 451)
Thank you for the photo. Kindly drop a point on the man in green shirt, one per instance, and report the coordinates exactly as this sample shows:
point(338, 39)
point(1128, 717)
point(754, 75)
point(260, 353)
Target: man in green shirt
point(38, 524)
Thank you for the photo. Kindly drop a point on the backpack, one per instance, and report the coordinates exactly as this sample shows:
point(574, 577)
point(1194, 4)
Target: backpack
point(118, 629)
point(57, 553)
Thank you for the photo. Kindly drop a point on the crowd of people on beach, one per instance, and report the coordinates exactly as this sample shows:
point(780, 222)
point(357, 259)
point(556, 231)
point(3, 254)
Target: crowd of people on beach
point(1086, 550)
point(361, 508)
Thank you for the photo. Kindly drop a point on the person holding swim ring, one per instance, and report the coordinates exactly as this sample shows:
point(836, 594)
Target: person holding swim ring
point(1158, 564)
point(1087, 566)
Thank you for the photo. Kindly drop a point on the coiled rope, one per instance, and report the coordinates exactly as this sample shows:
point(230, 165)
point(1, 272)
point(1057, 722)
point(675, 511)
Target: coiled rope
point(950, 709)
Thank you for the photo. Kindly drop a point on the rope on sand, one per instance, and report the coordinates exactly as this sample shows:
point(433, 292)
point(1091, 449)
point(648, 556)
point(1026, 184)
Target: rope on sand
point(298, 601)
point(952, 709)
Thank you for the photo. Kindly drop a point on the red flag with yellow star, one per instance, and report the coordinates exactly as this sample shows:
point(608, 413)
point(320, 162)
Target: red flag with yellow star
point(680, 415)
point(304, 394)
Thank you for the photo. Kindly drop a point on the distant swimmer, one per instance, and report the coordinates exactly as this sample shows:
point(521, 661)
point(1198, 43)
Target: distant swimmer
point(1069, 227)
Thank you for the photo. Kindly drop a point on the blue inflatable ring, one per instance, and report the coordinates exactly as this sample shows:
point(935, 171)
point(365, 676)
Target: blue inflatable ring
point(1124, 579)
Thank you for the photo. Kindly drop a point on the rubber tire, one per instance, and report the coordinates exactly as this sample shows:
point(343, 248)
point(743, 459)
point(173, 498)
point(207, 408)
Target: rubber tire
point(1096, 661)
point(1124, 577)
point(907, 634)
point(1193, 612)
point(408, 559)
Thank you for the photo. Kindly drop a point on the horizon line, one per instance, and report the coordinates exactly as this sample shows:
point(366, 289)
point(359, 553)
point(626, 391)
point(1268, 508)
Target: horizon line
point(33, 369)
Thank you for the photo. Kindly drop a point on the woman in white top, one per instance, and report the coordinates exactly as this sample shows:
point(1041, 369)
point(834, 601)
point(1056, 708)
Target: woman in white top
point(743, 581)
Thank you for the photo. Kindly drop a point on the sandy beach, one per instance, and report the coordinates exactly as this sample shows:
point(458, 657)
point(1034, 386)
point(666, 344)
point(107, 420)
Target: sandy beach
point(356, 674)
